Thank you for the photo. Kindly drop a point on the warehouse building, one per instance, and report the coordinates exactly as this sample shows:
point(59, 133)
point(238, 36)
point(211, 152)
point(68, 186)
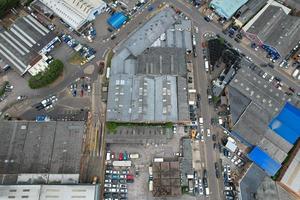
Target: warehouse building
point(55, 192)
point(249, 10)
point(24, 44)
point(256, 184)
point(260, 115)
point(146, 83)
point(226, 8)
point(292, 175)
point(274, 29)
point(36, 153)
point(76, 12)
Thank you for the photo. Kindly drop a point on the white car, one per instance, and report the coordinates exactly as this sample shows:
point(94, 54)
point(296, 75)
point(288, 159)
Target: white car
point(108, 171)
point(107, 185)
point(107, 181)
point(271, 79)
point(264, 75)
point(208, 132)
point(124, 190)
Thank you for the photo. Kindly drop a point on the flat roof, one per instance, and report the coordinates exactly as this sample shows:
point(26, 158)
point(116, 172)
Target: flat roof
point(117, 20)
point(264, 161)
point(292, 175)
point(41, 147)
point(286, 124)
point(20, 45)
point(251, 181)
point(43, 192)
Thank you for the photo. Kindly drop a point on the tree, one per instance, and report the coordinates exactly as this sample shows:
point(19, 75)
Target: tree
point(48, 76)
point(5, 5)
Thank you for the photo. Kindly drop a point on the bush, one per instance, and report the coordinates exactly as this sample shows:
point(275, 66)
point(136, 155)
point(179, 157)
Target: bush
point(48, 76)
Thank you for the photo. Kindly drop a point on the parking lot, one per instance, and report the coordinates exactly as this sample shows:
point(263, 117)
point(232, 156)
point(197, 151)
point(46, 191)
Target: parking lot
point(139, 169)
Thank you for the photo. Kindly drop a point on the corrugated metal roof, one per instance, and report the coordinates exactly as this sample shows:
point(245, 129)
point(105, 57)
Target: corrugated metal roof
point(264, 161)
point(286, 124)
point(117, 20)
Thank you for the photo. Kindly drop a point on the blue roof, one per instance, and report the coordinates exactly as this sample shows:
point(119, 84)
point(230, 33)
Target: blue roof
point(286, 124)
point(226, 8)
point(264, 161)
point(117, 20)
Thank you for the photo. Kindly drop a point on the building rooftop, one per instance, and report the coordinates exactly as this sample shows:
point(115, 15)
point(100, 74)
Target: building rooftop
point(55, 192)
point(146, 81)
point(166, 179)
point(186, 161)
point(254, 103)
point(40, 148)
point(292, 175)
point(274, 27)
point(146, 35)
point(227, 8)
point(247, 11)
point(75, 12)
point(255, 184)
point(20, 45)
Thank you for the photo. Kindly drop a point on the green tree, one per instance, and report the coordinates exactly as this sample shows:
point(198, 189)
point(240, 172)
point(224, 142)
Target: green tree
point(48, 76)
point(5, 5)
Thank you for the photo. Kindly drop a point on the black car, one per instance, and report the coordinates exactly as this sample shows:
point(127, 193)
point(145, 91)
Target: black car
point(206, 19)
point(113, 37)
point(214, 137)
point(204, 173)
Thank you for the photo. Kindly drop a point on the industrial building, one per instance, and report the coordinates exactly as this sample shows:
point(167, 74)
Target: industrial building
point(148, 84)
point(76, 12)
point(186, 162)
point(249, 10)
point(257, 110)
point(166, 179)
point(291, 176)
point(226, 8)
point(24, 44)
point(255, 184)
point(40, 152)
point(55, 192)
point(117, 20)
point(274, 29)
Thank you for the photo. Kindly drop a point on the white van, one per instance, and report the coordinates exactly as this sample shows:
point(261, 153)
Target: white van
point(200, 120)
point(295, 73)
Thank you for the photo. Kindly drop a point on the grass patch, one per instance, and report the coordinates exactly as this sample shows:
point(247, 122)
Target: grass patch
point(109, 57)
point(48, 76)
point(2, 89)
point(113, 126)
point(76, 59)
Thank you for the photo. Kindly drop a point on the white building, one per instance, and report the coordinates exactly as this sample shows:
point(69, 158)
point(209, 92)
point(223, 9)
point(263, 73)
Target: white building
point(76, 12)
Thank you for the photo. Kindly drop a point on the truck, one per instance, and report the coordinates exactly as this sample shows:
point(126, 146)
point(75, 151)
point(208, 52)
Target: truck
point(122, 163)
point(108, 156)
point(150, 171)
point(206, 66)
point(134, 155)
point(207, 191)
point(158, 160)
point(192, 91)
point(151, 185)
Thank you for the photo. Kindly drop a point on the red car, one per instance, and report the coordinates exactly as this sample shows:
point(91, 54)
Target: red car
point(129, 176)
point(121, 156)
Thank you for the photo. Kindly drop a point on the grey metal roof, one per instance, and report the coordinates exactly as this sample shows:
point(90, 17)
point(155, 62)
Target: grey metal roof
point(161, 61)
point(20, 45)
point(48, 147)
point(143, 85)
point(142, 98)
point(147, 34)
point(250, 9)
point(251, 182)
point(277, 29)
